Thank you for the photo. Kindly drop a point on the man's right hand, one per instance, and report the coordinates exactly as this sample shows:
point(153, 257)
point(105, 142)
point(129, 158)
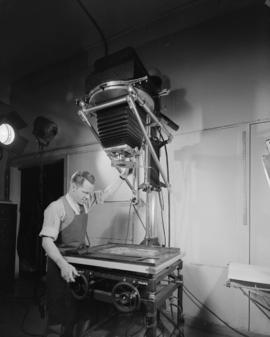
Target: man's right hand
point(68, 272)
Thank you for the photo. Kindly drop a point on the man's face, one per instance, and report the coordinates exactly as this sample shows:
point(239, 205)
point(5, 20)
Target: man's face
point(81, 193)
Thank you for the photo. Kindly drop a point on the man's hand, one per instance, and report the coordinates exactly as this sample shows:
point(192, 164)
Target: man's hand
point(68, 272)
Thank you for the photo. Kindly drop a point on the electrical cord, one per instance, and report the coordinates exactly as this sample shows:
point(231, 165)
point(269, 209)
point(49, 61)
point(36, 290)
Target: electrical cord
point(88, 239)
point(179, 307)
point(169, 201)
point(162, 218)
point(129, 216)
point(200, 305)
point(92, 19)
point(138, 215)
point(169, 194)
point(172, 322)
point(257, 304)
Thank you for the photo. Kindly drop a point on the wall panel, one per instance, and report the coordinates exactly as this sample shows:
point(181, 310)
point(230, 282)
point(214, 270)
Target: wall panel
point(259, 215)
point(209, 216)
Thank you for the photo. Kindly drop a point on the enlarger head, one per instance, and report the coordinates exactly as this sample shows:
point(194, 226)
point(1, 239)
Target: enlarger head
point(124, 115)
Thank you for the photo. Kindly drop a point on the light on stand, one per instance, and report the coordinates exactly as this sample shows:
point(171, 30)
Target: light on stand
point(44, 130)
point(7, 134)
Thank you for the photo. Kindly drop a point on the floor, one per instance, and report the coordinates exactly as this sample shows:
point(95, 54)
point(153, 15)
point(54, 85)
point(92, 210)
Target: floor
point(22, 315)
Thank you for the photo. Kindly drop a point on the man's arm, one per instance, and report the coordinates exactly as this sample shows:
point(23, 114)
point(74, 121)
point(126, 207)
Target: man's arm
point(68, 272)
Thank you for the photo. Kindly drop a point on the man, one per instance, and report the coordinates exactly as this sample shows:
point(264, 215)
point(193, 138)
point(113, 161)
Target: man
point(65, 225)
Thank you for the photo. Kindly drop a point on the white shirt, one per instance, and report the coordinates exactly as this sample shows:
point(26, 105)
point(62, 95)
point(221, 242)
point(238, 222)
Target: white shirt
point(55, 214)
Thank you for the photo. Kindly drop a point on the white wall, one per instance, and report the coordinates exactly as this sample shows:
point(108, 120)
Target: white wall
point(210, 221)
point(259, 212)
point(219, 75)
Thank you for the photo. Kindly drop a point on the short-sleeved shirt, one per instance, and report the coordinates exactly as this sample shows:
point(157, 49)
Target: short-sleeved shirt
point(55, 214)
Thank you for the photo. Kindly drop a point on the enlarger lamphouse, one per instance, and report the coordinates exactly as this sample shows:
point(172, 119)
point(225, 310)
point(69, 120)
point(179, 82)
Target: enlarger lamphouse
point(125, 118)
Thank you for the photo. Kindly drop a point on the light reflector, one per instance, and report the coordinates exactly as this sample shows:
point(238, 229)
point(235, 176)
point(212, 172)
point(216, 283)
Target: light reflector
point(7, 134)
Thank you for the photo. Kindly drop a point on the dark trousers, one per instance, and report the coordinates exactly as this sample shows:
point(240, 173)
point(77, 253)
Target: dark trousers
point(65, 313)
point(62, 307)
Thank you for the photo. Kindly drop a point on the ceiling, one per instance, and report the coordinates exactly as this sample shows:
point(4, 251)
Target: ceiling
point(37, 33)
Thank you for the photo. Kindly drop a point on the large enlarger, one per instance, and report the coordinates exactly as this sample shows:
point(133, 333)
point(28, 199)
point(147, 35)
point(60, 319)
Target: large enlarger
point(121, 108)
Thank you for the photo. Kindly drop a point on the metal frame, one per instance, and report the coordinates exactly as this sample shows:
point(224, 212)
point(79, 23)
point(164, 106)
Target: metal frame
point(154, 290)
point(134, 96)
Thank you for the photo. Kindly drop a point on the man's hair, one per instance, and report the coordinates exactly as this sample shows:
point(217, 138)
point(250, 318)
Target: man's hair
point(79, 177)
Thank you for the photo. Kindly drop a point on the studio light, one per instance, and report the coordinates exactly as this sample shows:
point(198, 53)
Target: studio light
point(11, 124)
point(44, 130)
point(7, 134)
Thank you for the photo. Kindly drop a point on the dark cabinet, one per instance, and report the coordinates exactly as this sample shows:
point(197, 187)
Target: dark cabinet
point(8, 220)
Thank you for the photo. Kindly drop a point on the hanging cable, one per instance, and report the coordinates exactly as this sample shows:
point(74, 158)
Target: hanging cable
point(96, 26)
point(138, 215)
point(180, 332)
point(162, 218)
point(259, 305)
point(200, 305)
point(169, 194)
point(129, 217)
point(88, 239)
point(169, 197)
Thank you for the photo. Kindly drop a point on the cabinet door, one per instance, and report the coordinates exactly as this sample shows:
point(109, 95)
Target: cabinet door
point(8, 216)
point(259, 215)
